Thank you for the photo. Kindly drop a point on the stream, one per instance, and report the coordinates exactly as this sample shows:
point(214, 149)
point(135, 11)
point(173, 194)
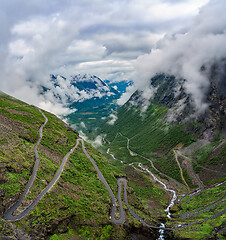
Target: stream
point(173, 199)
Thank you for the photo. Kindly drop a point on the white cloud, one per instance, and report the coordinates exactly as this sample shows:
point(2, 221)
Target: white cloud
point(176, 10)
point(41, 41)
point(126, 95)
point(39, 38)
point(174, 113)
point(183, 55)
point(82, 124)
point(113, 119)
point(55, 108)
point(84, 50)
point(97, 142)
point(109, 68)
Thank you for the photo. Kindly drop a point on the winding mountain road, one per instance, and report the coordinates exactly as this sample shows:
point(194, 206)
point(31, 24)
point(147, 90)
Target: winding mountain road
point(204, 208)
point(186, 215)
point(177, 152)
point(113, 199)
point(9, 213)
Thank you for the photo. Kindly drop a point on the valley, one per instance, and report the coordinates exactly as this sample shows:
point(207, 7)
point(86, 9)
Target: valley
point(70, 207)
point(188, 154)
point(113, 120)
point(89, 99)
point(169, 183)
point(184, 200)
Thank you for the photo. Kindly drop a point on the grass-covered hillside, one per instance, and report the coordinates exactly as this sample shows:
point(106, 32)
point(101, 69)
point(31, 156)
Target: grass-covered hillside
point(78, 204)
point(206, 160)
point(188, 148)
point(158, 126)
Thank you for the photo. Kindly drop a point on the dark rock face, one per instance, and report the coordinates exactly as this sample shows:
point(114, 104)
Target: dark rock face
point(166, 90)
point(2, 193)
point(217, 95)
point(218, 76)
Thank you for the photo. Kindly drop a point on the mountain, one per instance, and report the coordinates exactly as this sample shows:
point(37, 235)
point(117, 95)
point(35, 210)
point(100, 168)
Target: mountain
point(166, 157)
point(170, 116)
point(173, 139)
point(79, 88)
point(88, 97)
point(78, 205)
point(71, 204)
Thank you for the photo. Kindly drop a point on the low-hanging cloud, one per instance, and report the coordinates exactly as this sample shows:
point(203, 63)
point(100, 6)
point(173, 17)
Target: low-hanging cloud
point(34, 52)
point(97, 142)
point(113, 119)
point(69, 37)
point(183, 55)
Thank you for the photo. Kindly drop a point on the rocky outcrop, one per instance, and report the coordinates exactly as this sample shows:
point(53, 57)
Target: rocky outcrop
point(169, 91)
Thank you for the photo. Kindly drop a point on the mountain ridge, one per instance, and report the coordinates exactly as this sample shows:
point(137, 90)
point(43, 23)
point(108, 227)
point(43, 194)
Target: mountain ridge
point(77, 88)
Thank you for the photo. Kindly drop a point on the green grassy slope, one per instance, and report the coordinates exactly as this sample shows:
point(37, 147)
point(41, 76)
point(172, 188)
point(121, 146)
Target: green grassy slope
point(153, 137)
point(149, 135)
point(91, 112)
point(148, 129)
point(78, 206)
point(203, 229)
point(78, 203)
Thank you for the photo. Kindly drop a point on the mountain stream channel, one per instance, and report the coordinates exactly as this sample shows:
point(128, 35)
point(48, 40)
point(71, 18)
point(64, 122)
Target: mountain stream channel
point(172, 201)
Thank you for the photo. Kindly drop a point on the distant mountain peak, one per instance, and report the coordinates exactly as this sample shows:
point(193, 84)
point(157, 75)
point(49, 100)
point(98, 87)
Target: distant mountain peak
point(77, 88)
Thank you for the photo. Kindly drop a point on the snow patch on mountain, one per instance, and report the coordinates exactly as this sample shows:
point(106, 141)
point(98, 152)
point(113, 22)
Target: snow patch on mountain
point(77, 88)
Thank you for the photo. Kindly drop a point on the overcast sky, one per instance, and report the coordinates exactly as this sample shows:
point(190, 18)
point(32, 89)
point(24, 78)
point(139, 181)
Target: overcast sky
point(100, 37)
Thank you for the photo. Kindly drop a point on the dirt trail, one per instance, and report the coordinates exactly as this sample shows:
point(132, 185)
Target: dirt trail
point(181, 171)
point(193, 175)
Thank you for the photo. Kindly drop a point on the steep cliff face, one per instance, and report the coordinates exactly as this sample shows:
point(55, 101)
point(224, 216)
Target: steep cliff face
point(217, 96)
